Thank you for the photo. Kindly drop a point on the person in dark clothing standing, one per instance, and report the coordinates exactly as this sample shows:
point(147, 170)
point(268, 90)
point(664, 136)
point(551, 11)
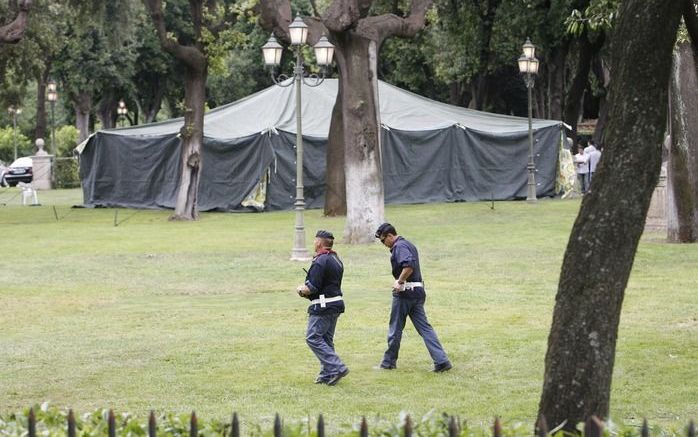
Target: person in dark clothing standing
point(408, 300)
point(323, 287)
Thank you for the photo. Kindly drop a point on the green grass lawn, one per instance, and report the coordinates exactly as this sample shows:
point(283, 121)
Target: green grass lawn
point(203, 316)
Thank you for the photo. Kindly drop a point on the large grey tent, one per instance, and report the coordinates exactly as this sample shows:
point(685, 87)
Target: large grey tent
point(431, 152)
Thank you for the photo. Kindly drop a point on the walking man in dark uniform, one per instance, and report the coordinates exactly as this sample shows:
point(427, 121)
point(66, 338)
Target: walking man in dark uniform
point(323, 286)
point(408, 300)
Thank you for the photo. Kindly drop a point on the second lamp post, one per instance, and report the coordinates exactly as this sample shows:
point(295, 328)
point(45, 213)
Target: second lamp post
point(528, 66)
point(324, 51)
point(14, 111)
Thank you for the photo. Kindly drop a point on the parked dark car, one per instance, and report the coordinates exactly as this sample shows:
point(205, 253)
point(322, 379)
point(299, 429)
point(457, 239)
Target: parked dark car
point(19, 171)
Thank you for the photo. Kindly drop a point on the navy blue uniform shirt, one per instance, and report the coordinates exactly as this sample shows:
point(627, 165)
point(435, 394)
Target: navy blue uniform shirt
point(325, 277)
point(404, 254)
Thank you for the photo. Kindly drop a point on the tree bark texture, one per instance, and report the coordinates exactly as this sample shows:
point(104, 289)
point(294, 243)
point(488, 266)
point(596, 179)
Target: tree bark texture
point(556, 81)
point(361, 133)
point(335, 192)
point(573, 102)
point(602, 245)
point(106, 109)
point(603, 77)
point(41, 81)
point(12, 32)
point(82, 104)
point(682, 167)
point(195, 64)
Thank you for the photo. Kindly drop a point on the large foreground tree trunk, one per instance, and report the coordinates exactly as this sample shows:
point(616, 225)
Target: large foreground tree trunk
point(601, 249)
point(12, 32)
point(682, 168)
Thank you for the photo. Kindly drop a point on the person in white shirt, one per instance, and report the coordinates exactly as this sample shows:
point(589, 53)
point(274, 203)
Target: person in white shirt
point(593, 156)
point(581, 163)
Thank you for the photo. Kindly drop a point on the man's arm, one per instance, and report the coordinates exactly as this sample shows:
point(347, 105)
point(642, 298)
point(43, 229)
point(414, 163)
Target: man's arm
point(400, 281)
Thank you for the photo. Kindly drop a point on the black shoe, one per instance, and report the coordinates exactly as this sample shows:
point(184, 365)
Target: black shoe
point(321, 380)
point(334, 379)
point(385, 367)
point(443, 367)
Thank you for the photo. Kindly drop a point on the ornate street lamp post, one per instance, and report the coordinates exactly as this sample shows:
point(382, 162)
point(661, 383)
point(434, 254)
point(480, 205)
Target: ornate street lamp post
point(122, 111)
point(528, 66)
point(14, 111)
point(324, 51)
point(52, 96)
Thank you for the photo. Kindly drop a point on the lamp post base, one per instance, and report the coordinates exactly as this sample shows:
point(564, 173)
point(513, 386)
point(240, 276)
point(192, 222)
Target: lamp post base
point(300, 255)
point(531, 197)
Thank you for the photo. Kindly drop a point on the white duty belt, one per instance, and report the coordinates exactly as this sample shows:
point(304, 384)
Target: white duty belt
point(323, 301)
point(411, 285)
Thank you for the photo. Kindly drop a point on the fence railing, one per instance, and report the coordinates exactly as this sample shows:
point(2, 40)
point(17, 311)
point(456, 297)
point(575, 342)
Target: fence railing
point(593, 427)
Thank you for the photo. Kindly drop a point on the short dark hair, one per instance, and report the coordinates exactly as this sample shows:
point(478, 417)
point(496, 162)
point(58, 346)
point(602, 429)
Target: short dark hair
point(326, 237)
point(385, 229)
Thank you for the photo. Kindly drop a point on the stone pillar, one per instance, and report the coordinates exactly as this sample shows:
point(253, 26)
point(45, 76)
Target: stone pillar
point(656, 215)
point(41, 167)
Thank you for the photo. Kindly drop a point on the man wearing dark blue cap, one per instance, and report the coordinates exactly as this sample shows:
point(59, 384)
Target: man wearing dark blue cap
point(323, 286)
point(408, 300)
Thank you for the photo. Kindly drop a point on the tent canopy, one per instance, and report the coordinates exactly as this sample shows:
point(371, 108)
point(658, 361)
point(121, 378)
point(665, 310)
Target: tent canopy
point(431, 151)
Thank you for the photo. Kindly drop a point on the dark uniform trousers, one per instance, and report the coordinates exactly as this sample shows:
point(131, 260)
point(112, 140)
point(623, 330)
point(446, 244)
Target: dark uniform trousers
point(320, 339)
point(414, 308)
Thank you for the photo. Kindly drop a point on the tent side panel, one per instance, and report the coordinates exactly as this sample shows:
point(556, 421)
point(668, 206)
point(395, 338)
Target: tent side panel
point(281, 193)
point(131, 172)
point(457, 165)
point(231, 169)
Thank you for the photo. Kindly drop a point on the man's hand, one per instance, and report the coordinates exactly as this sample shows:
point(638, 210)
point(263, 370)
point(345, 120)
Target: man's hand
point(398, 286)
point(303, 290)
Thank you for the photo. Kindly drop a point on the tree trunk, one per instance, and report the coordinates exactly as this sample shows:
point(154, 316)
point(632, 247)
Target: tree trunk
point(602, 245)
point(682, 168)
point(335, 192)
point(356, 58)
point(573, 100)
point(192, 134)
point(82, 105)
point(556, 81)
point(106, 109)
point(13, 32)
point(602, 76)
point(41, 80)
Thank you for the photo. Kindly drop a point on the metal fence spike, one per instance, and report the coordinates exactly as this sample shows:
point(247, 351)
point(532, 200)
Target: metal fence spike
point(593, 427)
point(277, 426)
point(542, 426)
point(645, 430)
point(31, 423)
point(194, 425)
point(497, 428)
point(152, 426)
point(111, 424)
point(452, 427)
point(408, 426)
point(363, 432)
point(320, 426)
point(235, 426)
point(71, 423)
